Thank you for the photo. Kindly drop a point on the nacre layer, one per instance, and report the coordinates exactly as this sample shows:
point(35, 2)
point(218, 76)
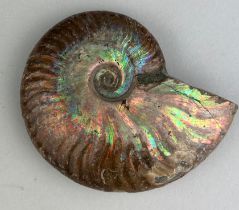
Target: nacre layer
point(100, 107)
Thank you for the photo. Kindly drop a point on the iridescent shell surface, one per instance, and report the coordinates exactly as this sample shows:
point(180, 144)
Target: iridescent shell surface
point(100, 107)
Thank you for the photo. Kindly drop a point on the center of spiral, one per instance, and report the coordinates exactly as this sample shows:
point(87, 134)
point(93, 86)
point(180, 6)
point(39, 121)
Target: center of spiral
point(108, 81)
point(107, 78)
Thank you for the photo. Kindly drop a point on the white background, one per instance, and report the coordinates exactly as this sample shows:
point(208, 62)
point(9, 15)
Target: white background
point(200, 41)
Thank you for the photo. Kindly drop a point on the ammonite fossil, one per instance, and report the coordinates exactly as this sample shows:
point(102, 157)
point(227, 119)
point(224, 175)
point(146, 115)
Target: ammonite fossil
point(100, 106)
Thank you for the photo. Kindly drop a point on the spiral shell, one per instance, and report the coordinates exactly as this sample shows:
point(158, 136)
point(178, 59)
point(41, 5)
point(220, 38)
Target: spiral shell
point(100, 107)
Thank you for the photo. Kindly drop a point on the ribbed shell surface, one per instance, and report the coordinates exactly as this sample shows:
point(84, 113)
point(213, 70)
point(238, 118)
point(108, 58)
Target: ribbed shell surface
point(100, 107)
